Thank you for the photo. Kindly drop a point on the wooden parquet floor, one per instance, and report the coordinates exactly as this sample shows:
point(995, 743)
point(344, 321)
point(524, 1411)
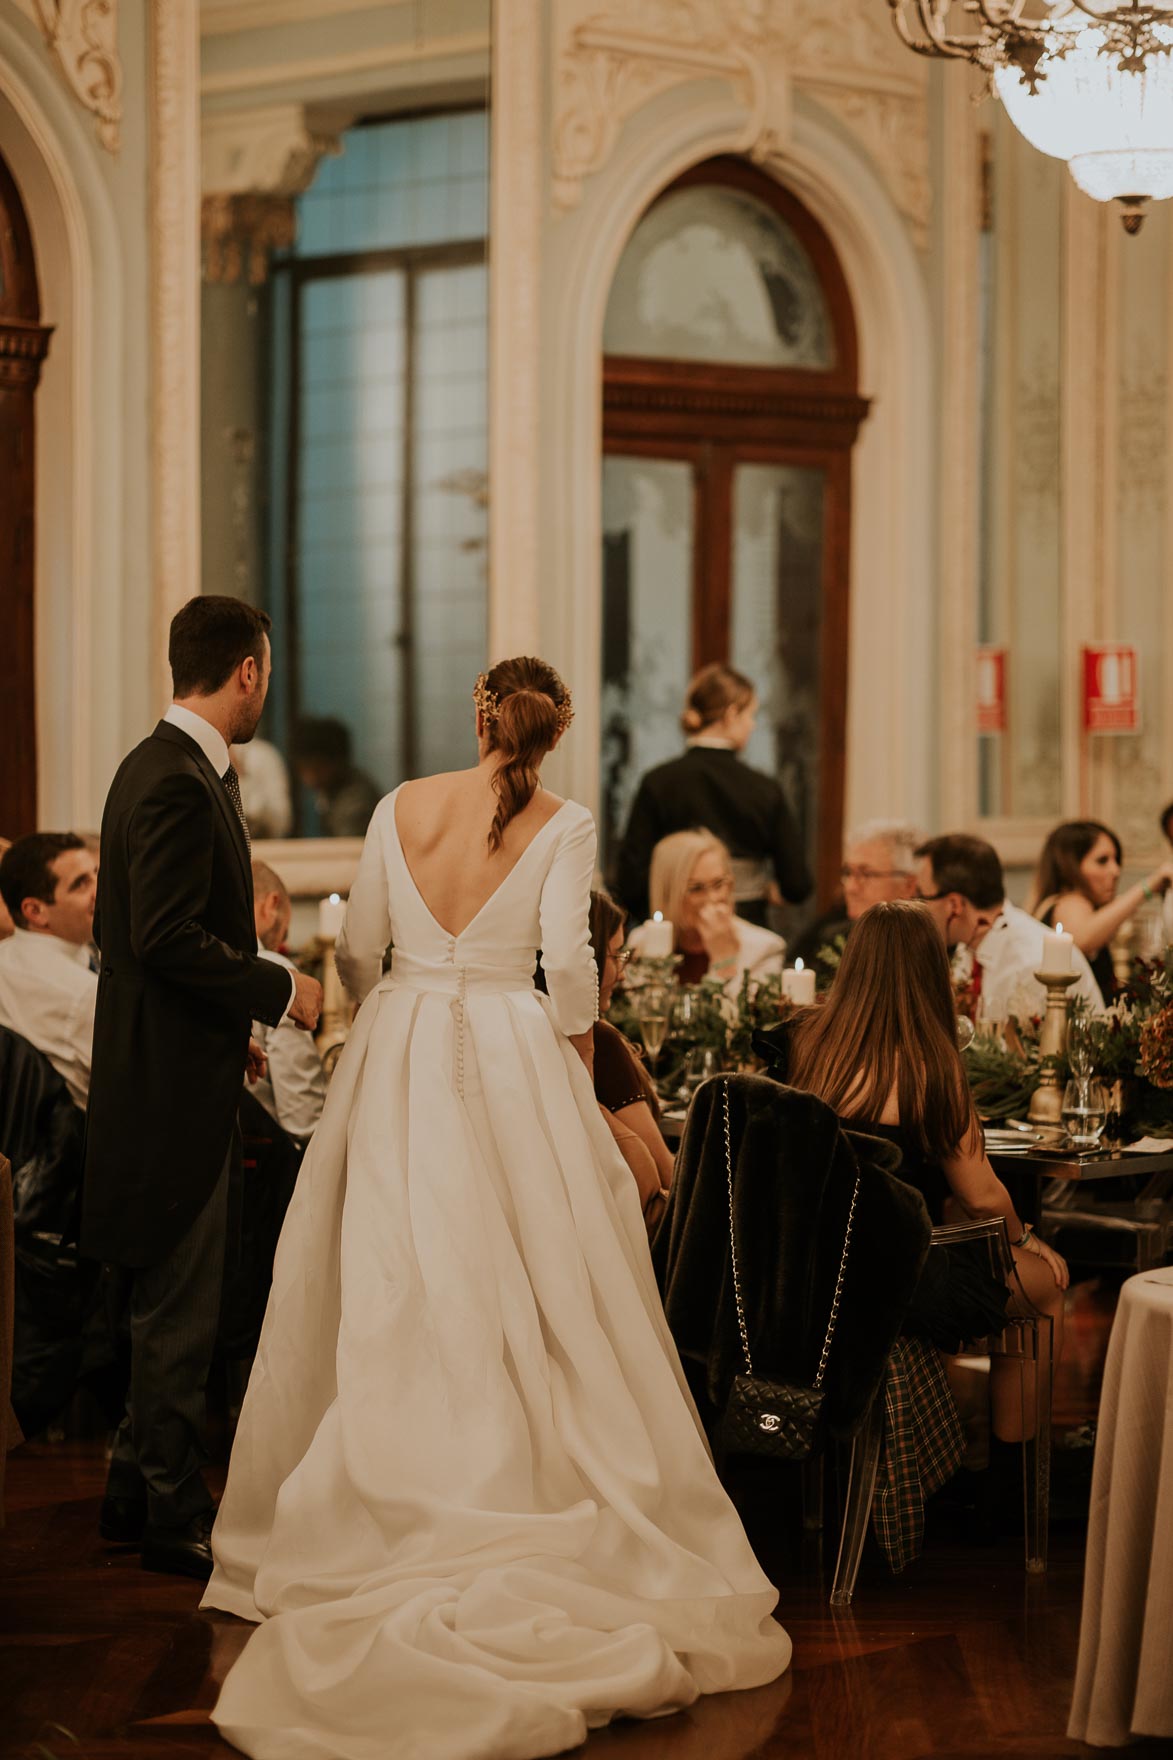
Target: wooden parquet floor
point(962, 1656)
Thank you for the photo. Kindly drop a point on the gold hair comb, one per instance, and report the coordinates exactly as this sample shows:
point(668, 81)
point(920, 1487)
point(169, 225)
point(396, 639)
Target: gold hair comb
point(489, 704)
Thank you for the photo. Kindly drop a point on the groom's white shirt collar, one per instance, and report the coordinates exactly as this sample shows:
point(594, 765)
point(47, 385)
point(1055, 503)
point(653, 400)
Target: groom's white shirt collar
point(205, 735)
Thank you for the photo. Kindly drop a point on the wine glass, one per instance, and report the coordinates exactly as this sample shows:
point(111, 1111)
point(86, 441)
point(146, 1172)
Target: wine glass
point(1081, 1048)
point(652, 1013)
point(1084, 1111)
point(703, 1062)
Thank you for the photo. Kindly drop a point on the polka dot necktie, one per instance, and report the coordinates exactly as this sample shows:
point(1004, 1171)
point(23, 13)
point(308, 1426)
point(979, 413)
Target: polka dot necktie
point(231, 783)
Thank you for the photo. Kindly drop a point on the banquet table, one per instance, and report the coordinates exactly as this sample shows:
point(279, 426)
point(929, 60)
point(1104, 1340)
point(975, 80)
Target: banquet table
point(1124, 1676)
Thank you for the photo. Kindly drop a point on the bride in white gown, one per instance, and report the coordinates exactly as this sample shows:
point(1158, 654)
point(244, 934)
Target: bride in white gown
point(469, 1501)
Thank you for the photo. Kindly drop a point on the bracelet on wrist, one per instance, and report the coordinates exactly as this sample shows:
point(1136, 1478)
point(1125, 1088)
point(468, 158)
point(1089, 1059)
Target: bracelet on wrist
point(1148, 892)
point(1027, 1234)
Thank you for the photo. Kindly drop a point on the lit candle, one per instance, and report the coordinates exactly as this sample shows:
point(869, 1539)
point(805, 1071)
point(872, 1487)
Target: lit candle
point(331, 916)
point(1057, 951)
point(798, 985)
point(657, 939)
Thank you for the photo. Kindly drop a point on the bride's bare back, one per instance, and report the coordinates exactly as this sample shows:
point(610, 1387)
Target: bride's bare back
point(443, 825)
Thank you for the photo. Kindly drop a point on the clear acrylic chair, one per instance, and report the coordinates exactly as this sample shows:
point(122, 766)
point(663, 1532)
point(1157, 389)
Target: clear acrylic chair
point(1028, 1337)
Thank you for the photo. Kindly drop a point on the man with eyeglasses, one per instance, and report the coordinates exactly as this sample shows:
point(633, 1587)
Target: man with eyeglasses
point(960, 882)
point(878, 867)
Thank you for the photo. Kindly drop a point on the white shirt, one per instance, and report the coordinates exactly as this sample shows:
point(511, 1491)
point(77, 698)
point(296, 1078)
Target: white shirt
point(48, 995)
point(211, 744)
point(208, 738)
point(1010, 955)
point(294, 1090)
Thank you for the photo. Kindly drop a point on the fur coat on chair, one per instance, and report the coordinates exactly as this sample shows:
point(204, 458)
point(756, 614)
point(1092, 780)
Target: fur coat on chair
point(794, 1170)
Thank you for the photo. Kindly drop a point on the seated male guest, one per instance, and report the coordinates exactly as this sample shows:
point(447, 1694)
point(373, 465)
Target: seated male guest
point(879, 866)
point(960, 881)
point(48, 979)
point(293, 1091)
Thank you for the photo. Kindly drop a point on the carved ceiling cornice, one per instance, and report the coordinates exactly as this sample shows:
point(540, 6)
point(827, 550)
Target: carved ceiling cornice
point(83, 35)
point(611, 59)
point(269, 149)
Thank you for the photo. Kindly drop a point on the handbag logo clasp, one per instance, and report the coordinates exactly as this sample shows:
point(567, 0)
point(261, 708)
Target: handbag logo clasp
point(769, 1422)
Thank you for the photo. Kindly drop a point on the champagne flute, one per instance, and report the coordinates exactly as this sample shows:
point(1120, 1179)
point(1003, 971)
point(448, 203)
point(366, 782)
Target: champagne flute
point(1084, 1111)
point(652, 1014)
point(1080, 1045)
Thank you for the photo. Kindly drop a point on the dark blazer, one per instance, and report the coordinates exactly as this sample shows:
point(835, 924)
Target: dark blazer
point(794, 1167)
point(179, 987)
point(710, 787)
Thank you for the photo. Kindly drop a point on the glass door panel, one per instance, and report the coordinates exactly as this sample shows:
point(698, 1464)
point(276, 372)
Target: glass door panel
point(449, 552)
point(648, 562)
point(776, 634)
point(349, 496)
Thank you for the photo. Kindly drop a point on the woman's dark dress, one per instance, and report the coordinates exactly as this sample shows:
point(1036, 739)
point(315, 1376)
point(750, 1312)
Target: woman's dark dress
point(958, 1296)
point(1103, 971)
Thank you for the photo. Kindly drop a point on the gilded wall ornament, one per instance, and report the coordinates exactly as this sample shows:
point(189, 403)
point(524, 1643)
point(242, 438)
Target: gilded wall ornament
point(83, 35)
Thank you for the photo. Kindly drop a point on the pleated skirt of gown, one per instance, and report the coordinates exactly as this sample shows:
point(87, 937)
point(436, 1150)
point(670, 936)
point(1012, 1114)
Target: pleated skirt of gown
point(469, 1501)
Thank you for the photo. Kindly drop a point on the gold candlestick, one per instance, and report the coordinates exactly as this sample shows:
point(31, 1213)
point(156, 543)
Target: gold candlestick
point(1046, 1106)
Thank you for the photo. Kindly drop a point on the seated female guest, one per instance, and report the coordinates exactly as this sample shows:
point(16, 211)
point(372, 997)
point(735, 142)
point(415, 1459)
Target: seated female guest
point(1076, 885)
point(623, 1087)
point(882, 1051)
point(691, 884)
point(709, 785)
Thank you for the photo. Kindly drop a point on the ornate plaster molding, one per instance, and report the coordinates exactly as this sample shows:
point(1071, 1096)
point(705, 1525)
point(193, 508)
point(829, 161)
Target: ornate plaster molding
point(613, 60)
point(83, 35)
point(608, 65)
point(270, 149)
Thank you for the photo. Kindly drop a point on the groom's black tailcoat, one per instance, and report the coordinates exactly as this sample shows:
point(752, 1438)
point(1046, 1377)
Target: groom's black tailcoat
point(179, 987)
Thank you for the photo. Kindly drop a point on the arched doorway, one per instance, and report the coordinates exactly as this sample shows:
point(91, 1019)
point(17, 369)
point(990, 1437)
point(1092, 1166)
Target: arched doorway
point(24, 342)
point(730, 408)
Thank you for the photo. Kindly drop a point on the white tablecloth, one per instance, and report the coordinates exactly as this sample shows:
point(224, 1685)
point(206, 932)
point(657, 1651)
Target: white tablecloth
point(1124, 1677)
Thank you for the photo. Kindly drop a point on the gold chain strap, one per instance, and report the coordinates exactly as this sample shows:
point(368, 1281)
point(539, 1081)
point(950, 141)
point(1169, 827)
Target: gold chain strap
point(741, 1326)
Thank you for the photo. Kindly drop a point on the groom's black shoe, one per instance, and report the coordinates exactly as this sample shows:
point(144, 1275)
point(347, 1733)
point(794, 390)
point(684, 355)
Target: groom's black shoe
point(122, 1520)
point(185, 1551)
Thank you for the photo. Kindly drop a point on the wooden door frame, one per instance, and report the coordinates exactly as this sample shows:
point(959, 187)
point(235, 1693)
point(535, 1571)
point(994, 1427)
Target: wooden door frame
point(717, 416)
point(24, 343)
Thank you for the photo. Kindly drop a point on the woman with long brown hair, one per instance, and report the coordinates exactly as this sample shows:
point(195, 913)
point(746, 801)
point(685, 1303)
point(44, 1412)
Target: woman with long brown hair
point(470, 1504)
point(1077, 884)
point(710, 788)
point(882, 1051)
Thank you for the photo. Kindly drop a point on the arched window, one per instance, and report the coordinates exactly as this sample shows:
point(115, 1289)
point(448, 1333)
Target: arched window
point(730, 407)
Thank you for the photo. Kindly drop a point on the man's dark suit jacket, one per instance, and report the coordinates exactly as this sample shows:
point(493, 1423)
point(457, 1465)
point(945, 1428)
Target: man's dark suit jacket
point(179, 987)
point(710, 787)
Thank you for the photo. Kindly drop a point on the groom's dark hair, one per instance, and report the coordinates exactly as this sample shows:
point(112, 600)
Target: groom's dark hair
point(209, 639)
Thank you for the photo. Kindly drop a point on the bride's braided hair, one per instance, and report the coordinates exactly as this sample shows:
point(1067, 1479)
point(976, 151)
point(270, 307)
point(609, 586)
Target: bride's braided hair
point(524, 706)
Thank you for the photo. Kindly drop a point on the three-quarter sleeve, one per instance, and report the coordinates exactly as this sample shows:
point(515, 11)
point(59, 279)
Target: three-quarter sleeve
point(366, 932)
point(568, 960)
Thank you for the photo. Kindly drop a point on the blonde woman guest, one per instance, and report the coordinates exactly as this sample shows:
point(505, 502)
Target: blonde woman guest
point(709, 785)
point(691, 884)
point(1077, 884)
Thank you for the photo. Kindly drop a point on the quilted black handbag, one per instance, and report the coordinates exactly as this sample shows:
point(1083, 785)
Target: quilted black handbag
point(778, 1419)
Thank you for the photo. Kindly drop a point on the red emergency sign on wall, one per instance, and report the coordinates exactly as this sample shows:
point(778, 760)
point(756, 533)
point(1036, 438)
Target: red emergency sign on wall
point(1110, 690)
point(991, 690)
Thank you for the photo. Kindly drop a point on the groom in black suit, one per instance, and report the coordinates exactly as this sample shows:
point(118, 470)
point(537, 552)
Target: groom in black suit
point(180, 984)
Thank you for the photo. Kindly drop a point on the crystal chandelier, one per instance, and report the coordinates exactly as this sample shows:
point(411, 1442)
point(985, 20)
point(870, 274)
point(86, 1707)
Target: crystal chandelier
point(1083, 80)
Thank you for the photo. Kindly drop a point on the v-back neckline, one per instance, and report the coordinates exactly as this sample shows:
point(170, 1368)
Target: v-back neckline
point(504, 881)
